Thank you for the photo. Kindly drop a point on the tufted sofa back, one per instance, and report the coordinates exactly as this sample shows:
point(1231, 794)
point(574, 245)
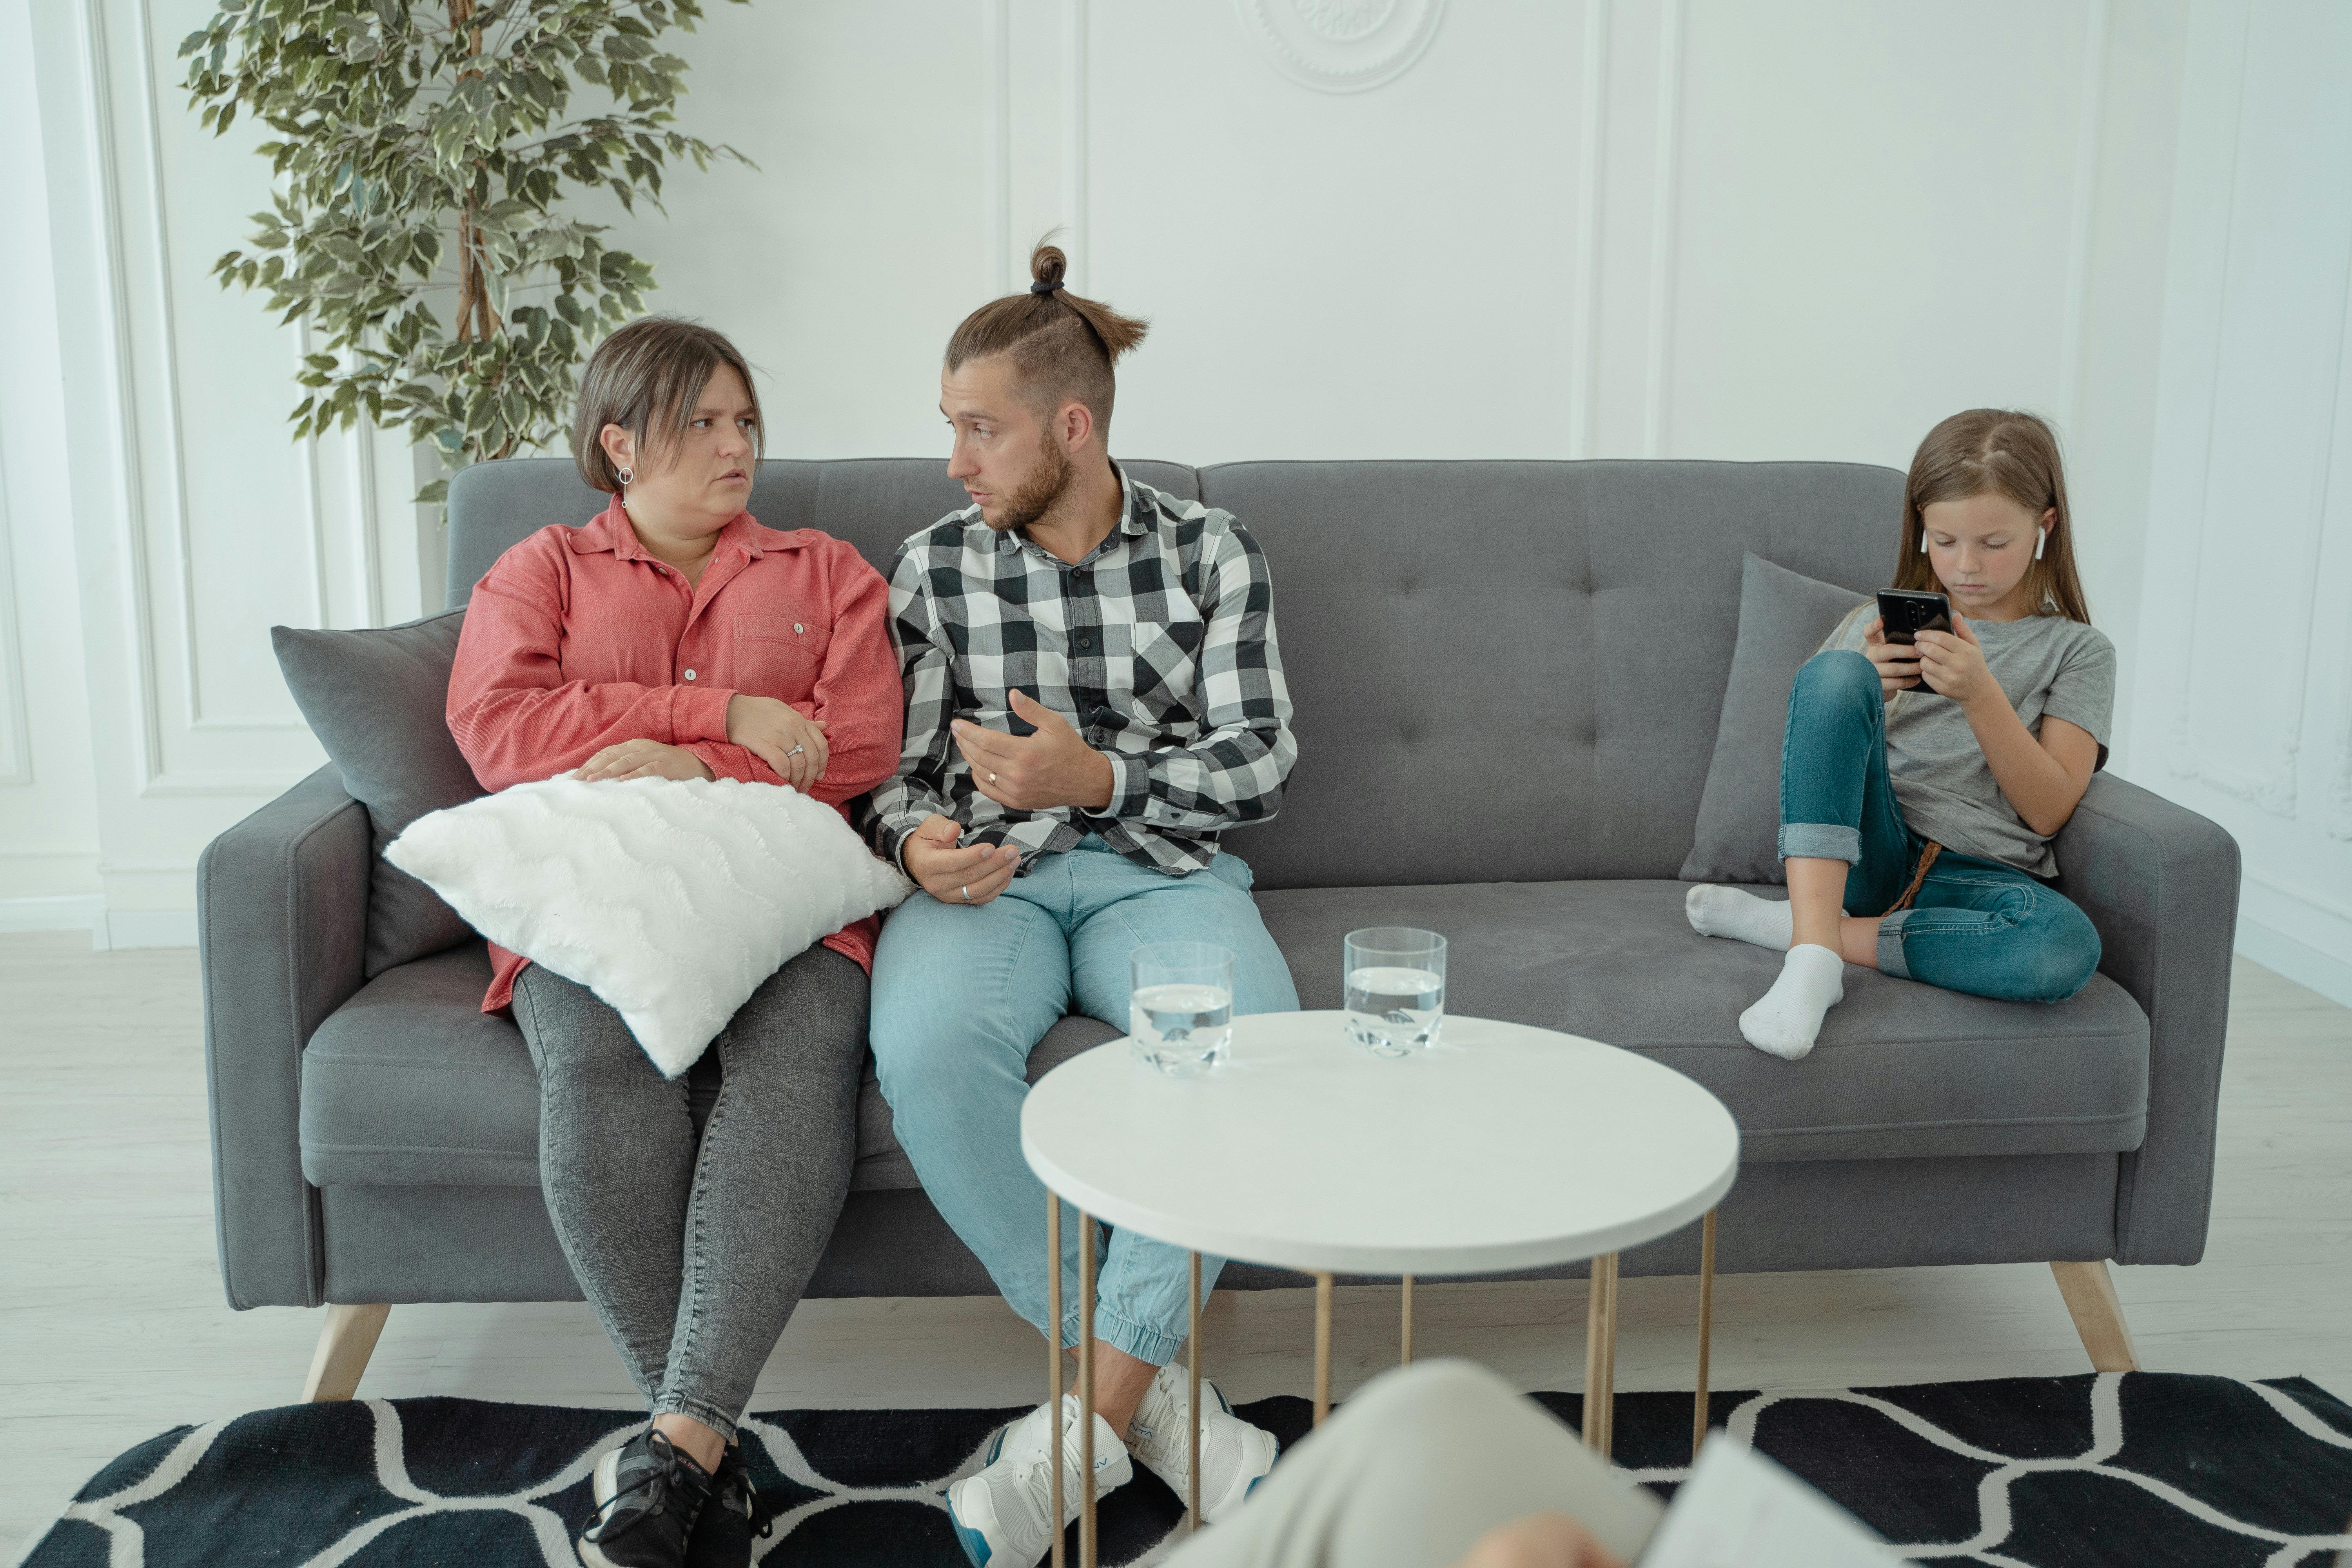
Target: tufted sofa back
point(1503, 671)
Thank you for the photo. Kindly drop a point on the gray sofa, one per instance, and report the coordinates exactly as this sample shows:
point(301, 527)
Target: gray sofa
point(1508, 677)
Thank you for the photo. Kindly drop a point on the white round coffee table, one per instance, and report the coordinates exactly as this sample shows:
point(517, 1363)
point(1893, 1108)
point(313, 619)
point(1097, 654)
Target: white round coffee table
point(1506, 1148)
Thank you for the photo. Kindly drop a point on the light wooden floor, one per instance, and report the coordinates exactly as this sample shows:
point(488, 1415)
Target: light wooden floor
point(112, 1325)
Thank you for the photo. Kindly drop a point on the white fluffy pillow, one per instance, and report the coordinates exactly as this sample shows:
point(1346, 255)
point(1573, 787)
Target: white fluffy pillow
point(670, 900)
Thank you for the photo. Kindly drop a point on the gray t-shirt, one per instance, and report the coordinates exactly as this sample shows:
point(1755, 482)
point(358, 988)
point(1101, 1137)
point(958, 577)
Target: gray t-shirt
point(2049, 666)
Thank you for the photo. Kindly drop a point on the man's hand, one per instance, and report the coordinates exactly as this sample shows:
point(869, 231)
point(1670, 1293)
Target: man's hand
point(641, 760)
point(770, 730)
point(1953, 663)
point(956, 876)
point(1898, 663)
point(1033, 773)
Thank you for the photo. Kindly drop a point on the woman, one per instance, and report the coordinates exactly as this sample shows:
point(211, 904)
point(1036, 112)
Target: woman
point(674, 638)
point(1921, 784)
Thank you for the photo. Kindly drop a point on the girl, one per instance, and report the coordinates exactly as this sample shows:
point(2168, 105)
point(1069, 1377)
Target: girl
point(674, 638)
point(1921, 786)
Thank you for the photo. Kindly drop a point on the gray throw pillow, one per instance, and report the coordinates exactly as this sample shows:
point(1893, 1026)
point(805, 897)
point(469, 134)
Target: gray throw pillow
point(1783, 617)
point(378, 701)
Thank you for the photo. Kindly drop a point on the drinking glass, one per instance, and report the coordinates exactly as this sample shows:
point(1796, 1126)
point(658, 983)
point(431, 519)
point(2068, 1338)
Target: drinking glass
point(1179, 1014)
point(1395, 977)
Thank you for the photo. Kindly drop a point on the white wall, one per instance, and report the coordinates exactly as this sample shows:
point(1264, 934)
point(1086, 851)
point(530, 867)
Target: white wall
point(2246, 688)
point(1619, 227)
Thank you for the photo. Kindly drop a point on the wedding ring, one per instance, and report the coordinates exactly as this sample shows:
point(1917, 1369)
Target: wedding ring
point(991, 778)
point(967, 894)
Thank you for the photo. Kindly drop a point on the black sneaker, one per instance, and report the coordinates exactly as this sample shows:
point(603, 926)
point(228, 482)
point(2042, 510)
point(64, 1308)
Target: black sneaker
point(648, 1496)
point(734, 1515)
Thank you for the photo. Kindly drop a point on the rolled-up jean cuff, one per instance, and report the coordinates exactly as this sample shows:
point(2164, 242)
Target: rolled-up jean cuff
point(1142, 1344)
point(703, 1410)
point(1890, 946)
point(1821, 841)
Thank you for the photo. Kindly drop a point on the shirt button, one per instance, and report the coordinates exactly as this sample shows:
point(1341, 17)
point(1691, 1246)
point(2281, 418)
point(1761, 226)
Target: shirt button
point(1086, 642)
point(798, 628)
point(690, 675)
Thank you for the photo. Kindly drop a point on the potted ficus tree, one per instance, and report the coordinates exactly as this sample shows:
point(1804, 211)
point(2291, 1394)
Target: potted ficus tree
point(425, 156)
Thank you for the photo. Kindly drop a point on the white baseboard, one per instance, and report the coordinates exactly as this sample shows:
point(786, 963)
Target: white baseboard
point(2298, 960)
point(64, 912)
point(144, 927)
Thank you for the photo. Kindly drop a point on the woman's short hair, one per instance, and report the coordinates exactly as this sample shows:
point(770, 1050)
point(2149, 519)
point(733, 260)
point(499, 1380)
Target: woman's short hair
point(646, 378)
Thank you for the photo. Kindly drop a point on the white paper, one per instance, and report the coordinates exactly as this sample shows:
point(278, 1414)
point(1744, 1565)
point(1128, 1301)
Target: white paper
point(1740, 1510)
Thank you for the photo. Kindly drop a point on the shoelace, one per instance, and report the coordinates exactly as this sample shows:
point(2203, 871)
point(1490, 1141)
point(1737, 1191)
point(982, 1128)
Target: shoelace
point(656, 1483)
point(1039, 1481)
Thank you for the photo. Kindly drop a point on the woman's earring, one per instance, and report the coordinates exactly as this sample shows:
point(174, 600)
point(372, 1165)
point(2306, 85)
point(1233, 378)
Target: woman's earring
point(2040, 540)
point(629, 476)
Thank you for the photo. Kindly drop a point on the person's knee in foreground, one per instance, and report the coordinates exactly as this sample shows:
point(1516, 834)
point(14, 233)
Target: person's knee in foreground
point(1093, 695)
point(1436, 1464)
point(693, 1253)
point(1921, 784)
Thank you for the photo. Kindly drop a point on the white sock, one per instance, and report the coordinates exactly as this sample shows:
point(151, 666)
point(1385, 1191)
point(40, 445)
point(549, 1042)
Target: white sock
point(1789, 1018)
point(1743, 917)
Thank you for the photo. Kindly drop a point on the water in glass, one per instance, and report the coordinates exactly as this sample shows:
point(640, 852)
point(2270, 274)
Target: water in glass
point(1394, 981)
point(1178, 1028)
point(1179, 1009)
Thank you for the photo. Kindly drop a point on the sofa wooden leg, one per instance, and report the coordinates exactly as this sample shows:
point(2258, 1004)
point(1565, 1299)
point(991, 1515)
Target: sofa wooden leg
point(345, 1343)
point(2090, 1293)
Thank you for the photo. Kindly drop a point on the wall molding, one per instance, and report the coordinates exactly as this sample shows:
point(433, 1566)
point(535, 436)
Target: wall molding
point(68, 912)
point(1076, 130)
point(1592, 122)
point(996, 113)
point(1665, 180)
point(16, 717)
point(2078, 239)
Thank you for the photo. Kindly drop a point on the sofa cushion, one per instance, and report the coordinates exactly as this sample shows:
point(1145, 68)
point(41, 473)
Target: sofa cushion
point(410, 1084)
point(1902, 1069)
point(378, 701)
point(1783, 618)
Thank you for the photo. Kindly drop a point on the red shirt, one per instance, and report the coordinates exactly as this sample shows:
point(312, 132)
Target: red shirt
point(578, 640)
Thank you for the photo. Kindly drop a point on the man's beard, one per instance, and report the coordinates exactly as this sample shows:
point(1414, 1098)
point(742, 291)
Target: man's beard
point(1036, 498)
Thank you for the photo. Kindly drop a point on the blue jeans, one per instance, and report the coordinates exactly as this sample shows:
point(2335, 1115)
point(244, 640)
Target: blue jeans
point(961, 996)
point(1976, 925)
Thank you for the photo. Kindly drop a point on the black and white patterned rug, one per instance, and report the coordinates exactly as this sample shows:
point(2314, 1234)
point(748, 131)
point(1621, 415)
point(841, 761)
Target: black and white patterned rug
point(2137, 1469)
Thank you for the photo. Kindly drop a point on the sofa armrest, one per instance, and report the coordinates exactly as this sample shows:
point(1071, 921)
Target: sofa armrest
point(281, 932)
point(2161, 884)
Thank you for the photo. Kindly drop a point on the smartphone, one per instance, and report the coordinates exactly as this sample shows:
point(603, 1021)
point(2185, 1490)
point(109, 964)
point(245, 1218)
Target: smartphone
point(1904, 613)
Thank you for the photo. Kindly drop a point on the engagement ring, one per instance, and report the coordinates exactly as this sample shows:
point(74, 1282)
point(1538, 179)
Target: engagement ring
point(796, 750)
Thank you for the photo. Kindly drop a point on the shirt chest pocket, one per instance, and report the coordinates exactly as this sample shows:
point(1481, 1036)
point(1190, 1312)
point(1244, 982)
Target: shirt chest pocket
point(1166, 657)
point(780, 656)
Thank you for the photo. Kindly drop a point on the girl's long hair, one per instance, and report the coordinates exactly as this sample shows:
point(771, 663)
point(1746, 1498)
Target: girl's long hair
point(2009, 454)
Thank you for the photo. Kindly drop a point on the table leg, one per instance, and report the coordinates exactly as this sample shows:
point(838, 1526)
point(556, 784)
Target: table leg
point(1600, 1354)
point(1192, 1405)
point(1322, 1347)
point(1706, 1328)
point(1404, 1341)
point(1053, 1354)
point(1085, 1391)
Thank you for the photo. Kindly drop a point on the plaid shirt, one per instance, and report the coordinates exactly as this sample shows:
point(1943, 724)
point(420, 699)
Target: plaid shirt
point(1157, 647)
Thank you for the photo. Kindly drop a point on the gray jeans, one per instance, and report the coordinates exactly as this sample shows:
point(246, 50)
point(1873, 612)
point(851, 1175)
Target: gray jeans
point(694, 1257)
point(1412, 1470)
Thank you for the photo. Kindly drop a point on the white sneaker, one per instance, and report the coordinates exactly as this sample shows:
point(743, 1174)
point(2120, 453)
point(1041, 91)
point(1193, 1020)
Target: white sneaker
point(1235, 1455)
point(1001, 1514)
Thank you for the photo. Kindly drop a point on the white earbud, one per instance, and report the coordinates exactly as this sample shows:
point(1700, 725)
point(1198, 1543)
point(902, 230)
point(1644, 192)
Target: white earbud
point(1923, 542)
point(2040, 540)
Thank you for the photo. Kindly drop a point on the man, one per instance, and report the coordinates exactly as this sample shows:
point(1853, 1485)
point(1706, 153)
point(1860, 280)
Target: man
point(1093, 695)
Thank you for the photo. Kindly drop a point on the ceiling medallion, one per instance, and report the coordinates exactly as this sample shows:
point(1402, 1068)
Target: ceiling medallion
point(1342, 46)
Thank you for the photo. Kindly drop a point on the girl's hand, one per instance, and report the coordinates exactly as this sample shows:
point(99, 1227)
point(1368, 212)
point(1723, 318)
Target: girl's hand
point(1898, 663)
point(778, 734)
point(1953, 664)
point(641, 760)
